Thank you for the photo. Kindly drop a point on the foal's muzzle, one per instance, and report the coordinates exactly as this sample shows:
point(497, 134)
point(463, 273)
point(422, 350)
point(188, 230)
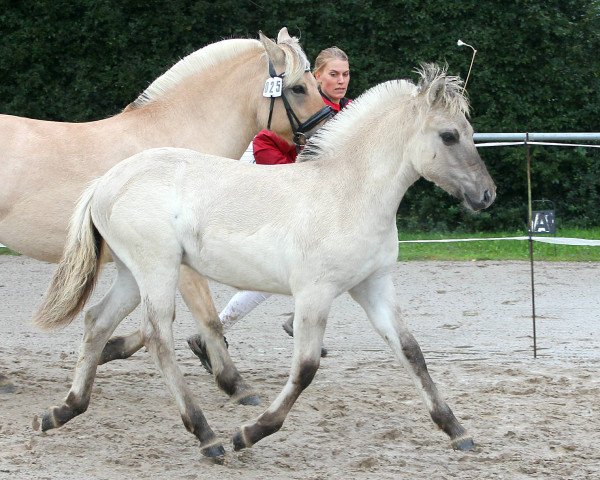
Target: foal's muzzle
point(485, 201)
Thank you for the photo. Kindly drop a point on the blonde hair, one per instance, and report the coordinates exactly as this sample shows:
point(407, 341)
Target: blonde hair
point(331, 53)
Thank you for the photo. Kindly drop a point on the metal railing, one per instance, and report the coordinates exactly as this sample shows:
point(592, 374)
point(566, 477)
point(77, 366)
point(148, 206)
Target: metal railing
point(537, 137)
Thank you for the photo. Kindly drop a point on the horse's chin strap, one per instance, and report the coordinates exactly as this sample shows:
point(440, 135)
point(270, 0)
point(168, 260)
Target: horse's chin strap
point(299, 128)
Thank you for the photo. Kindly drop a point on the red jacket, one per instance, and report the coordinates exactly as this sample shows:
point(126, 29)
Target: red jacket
point(270, 149)
point(336, 106)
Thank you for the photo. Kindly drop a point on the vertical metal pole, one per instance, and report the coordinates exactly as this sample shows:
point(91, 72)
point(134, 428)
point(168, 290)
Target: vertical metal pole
point(529, 225)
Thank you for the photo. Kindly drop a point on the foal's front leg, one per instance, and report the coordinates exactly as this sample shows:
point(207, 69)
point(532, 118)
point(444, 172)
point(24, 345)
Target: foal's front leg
point(377, 296)
point(309, 327)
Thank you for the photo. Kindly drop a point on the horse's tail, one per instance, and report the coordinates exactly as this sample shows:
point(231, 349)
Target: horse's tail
point(75, 277)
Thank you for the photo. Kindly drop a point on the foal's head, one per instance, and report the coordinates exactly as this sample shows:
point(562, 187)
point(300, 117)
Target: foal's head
point(448, 156)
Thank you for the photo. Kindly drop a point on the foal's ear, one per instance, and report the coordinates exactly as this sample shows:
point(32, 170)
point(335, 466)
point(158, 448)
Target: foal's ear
point(436, 91)
point(283, 35)
point(274, 51)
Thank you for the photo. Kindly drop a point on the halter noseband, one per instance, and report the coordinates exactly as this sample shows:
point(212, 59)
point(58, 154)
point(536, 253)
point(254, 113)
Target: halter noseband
point(299, 128)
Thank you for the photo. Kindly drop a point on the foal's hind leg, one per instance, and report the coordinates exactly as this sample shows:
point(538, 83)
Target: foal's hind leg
point(158, 306)
point(377, 296)
point(100, 322)
point(196, 294)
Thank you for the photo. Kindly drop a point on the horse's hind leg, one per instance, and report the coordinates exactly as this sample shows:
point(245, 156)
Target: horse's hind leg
point(196, 294)
point(158, 308)
point(377, 296)
point(309, 327)
point(100, 322)
point(199, 302)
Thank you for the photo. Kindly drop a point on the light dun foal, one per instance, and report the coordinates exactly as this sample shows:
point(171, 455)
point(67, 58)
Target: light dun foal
point(327, 225)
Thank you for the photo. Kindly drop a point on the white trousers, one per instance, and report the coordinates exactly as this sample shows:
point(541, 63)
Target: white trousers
point(239, 306)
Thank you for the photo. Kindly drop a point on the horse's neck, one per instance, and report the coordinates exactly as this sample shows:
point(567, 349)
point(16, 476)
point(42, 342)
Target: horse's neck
point(217, 132)
point(212, 113)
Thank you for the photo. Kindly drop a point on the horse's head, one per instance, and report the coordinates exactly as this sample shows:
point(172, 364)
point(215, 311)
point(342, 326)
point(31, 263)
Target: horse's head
point(297, 109)
point(448, 156)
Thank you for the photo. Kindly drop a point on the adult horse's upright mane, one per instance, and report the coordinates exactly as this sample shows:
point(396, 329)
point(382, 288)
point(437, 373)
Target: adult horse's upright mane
point(211, 55)
point(369, 106)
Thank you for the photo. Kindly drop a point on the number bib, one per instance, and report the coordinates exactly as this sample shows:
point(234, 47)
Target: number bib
point(273, 87)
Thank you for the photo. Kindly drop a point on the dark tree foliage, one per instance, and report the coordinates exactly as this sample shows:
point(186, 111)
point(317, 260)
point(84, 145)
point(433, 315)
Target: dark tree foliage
point(537, 69)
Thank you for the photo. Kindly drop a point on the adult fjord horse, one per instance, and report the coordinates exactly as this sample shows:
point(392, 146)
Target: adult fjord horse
point(327, 225)
point(211, 101)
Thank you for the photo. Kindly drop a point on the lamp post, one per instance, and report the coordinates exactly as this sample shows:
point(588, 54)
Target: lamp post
point(460, 43)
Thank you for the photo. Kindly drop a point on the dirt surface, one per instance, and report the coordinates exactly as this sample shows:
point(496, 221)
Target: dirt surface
point(361, 417)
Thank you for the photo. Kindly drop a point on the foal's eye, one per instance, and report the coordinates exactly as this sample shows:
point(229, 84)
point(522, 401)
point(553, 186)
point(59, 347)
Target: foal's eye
point(449, 138)
point(299, 89)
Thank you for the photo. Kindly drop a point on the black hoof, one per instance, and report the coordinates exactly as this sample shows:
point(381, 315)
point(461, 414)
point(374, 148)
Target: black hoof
point(238, 441)
point(198, 346)
point(464, 444)
point(114, 350)
point(48, 422)
point(214, 452)
point(252, 400)
point(288, 325)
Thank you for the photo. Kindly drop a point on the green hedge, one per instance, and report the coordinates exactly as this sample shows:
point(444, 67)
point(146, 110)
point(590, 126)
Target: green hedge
point(537, 69)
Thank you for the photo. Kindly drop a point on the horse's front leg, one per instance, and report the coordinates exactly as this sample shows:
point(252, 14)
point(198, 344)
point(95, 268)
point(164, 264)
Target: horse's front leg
point(377, 296)
point(196, 294)
point(309, 326)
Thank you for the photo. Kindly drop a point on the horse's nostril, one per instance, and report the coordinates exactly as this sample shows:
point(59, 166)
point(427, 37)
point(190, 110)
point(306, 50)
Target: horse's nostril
point(486, 196)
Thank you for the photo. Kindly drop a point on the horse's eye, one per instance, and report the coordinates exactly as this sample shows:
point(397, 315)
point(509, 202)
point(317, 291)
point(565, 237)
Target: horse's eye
point(449, 138)
point(299, 89)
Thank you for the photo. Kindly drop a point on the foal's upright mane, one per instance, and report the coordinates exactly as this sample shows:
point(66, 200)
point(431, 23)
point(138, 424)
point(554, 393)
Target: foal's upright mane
point(376, 101)
point(454, 98)
point(214, 54)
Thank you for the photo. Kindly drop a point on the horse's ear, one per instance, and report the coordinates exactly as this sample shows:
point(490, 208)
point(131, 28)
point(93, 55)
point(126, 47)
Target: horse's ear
point(436, 91)
point(283, 35)
point(274, 51)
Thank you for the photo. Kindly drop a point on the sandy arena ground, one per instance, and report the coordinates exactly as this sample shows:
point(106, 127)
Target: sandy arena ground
point(361, 417)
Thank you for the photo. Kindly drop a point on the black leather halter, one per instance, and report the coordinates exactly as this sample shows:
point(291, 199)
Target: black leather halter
point(299, 128)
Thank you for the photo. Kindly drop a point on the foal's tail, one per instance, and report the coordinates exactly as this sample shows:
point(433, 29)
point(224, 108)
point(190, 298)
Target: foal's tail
point(75, 277)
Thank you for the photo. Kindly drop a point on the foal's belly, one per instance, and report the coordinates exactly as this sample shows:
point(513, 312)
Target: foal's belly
point(241, 265)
